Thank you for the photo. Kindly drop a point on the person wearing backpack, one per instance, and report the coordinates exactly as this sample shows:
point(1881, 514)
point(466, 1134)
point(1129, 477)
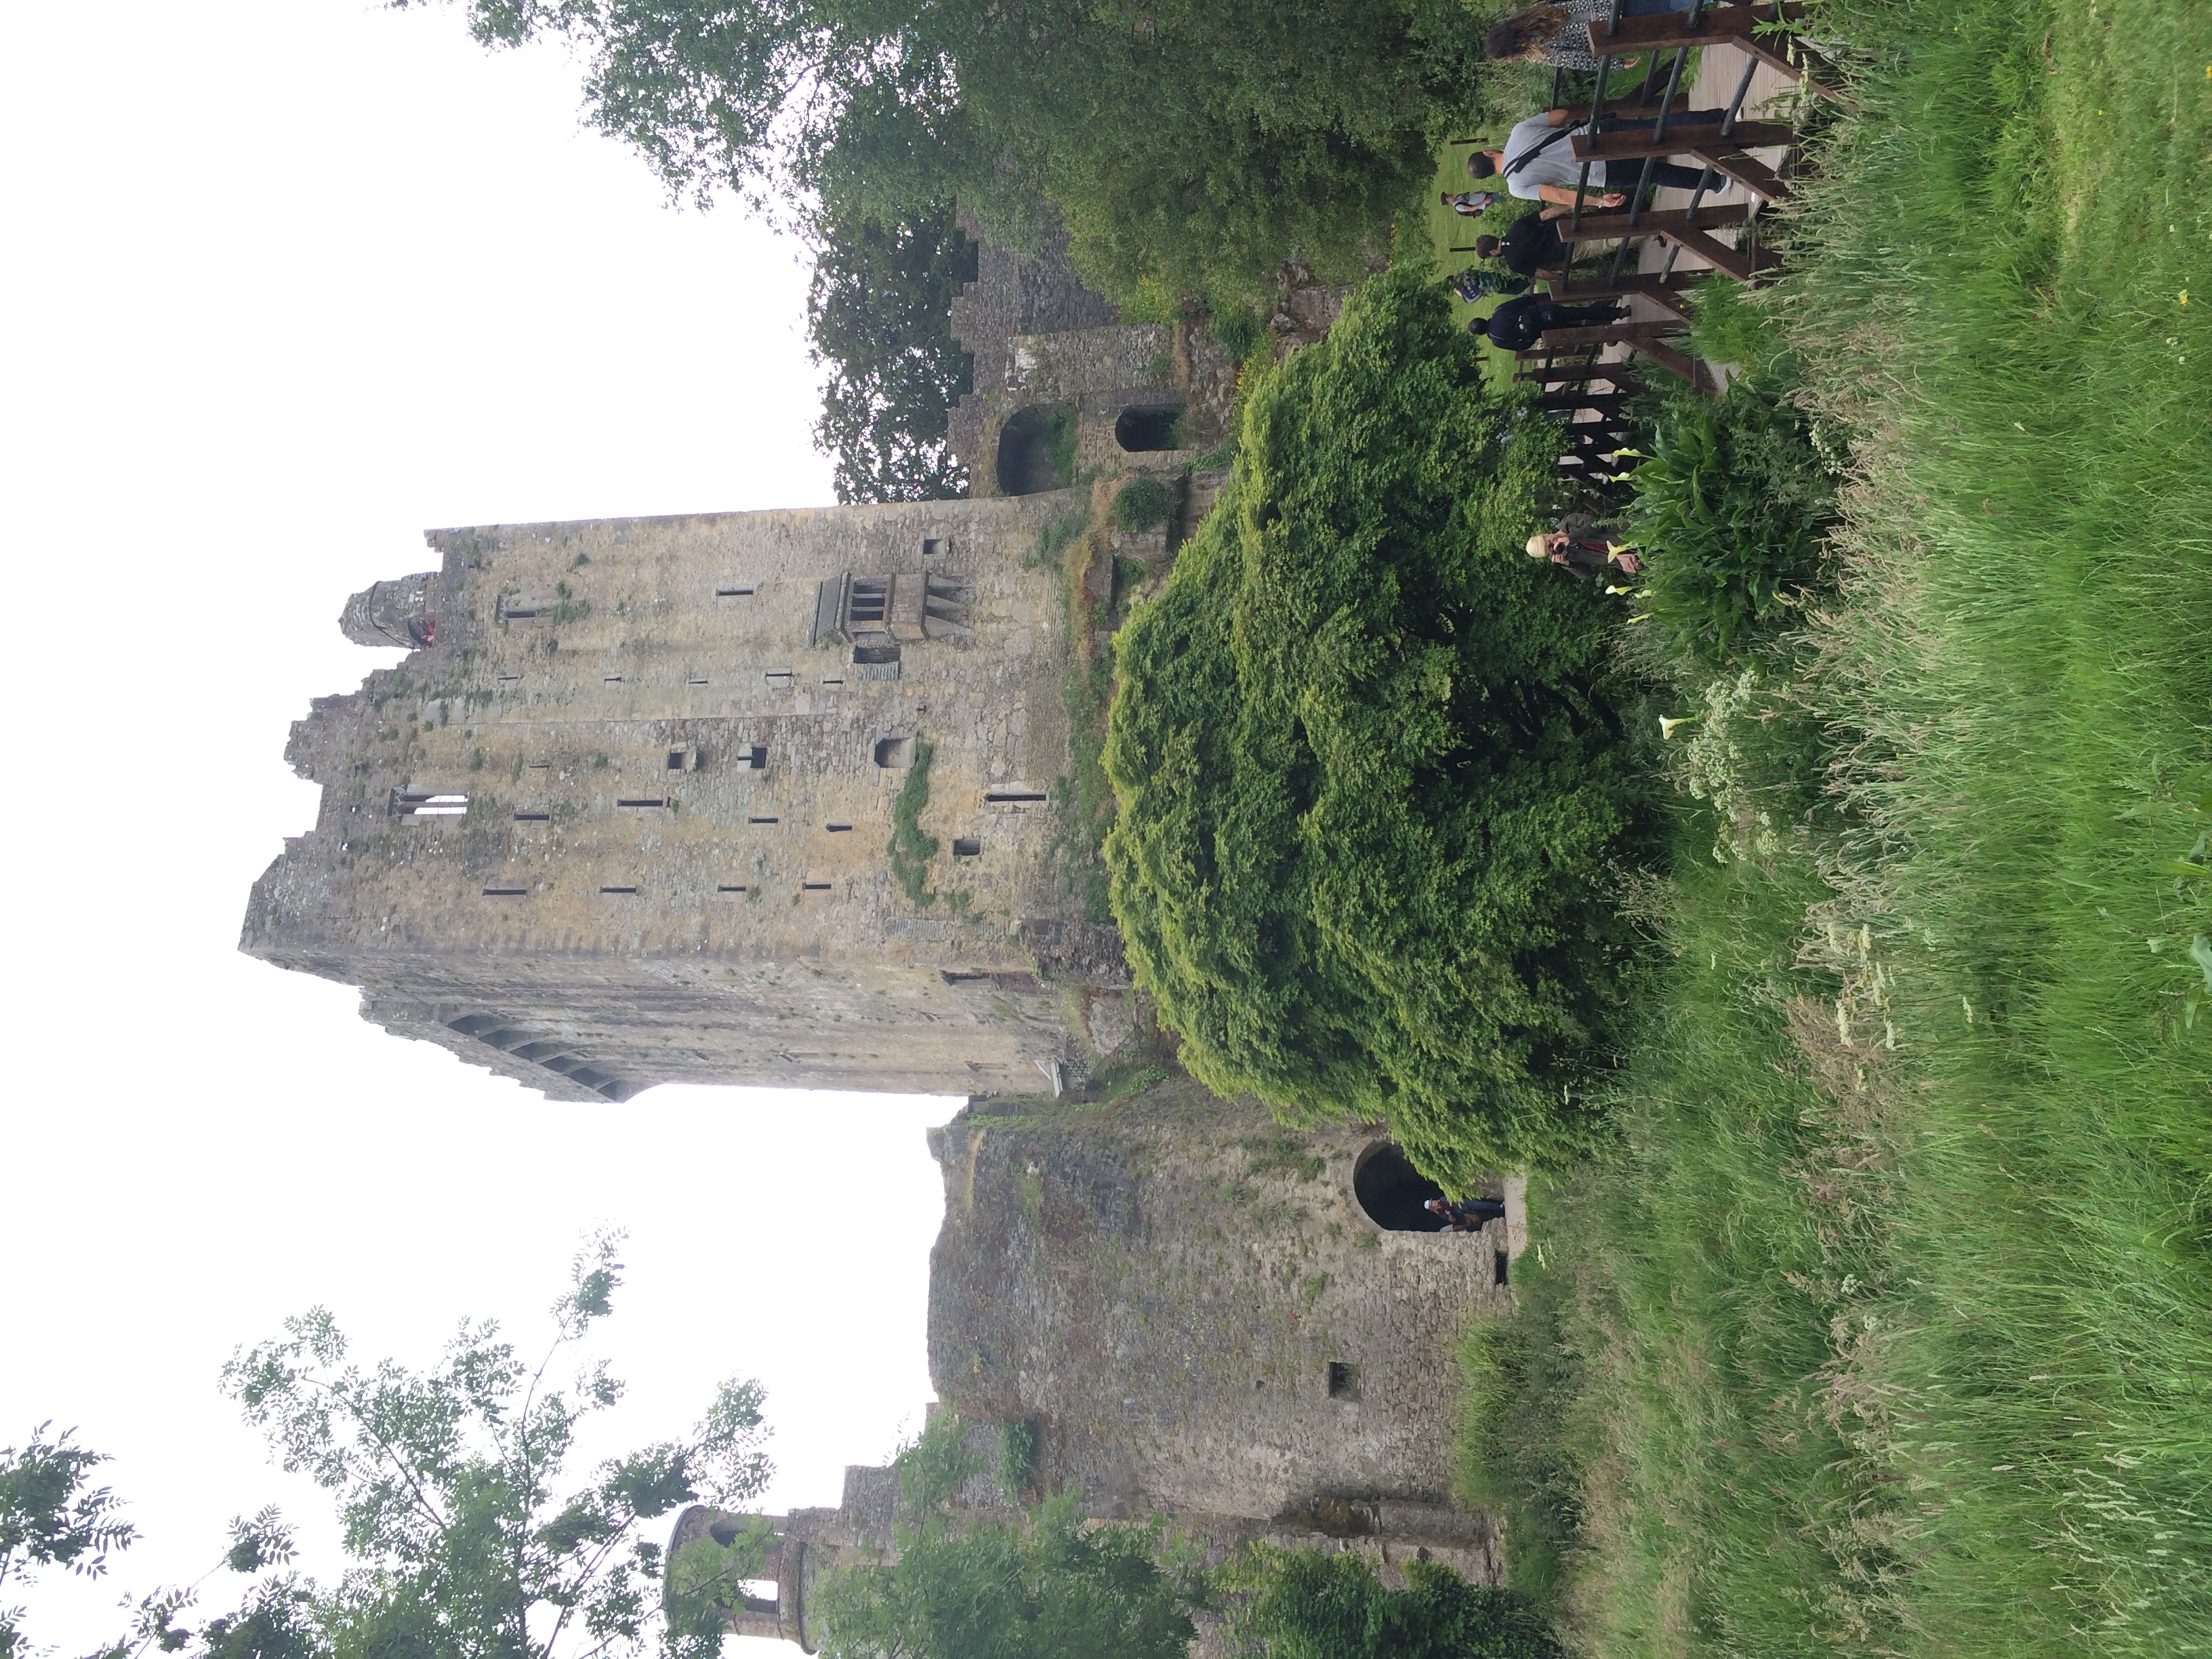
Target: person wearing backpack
point(1538, 163)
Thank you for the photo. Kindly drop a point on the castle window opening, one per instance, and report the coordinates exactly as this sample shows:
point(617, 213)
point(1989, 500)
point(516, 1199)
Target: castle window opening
point(761, 1595)
point(734, 593)
point(894, 751)
point(533, 818)
point(1343, 1380)
point(472, 1025)
point(727, 888)
point(833, 679)
point(1158, 426)
point(1002, 797)
point(935, 547)
point(963, 848)
point(697, 679)
point(813, 886)
point(874, 653)
point(506, 892)
point(618, 890)
point(509, 679)
point(1026, 442)
point(650, 800)
point(837, 828)
point(686, 759)
point(611, 679)
point(863, 609)
point(1392, 1191)
point(1501, 1267)
point(783, 674)
point(757, 757)
point(760, 820)
point(408, 804)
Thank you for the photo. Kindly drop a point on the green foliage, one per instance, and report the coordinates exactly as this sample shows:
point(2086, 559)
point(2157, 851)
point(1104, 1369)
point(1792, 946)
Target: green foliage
point(1143, 504)
point(51, 1516)
point(1733, 326)
point(1192, 149)
point(1302, 1604)
point(880, 315)
point(1524, 1379)
point(447, 1486)
point(1050, 1588)
point(909, 850)
point(1368, 766)
point(1017, 1456)
point(1239, 332)
point(1729, 509)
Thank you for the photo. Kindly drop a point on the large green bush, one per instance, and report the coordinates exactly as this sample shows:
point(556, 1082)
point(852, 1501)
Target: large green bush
point(1370, 785)
point(1302, 1604)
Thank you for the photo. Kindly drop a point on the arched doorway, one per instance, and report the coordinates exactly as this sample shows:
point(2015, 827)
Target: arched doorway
point(1392, 1191)
point(1158, 426)
point(1030, 449)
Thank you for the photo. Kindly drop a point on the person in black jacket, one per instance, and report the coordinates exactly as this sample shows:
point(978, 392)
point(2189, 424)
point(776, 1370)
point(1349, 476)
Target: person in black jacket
point(1531, 247)
point(1519, 324)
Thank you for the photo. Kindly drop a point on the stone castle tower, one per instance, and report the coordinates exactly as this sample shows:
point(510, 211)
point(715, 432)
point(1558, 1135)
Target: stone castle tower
point(621, 818)
point(1189, 1311)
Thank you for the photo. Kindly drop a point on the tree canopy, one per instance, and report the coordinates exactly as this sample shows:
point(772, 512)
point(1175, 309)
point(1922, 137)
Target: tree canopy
point(1300, 1604)
point(879, 316)
point(1369, 773)
point(1188, 144)
point(1043, 1583)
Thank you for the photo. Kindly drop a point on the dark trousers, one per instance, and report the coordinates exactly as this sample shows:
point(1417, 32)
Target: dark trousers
point(1665, 176)
point(1550, 315)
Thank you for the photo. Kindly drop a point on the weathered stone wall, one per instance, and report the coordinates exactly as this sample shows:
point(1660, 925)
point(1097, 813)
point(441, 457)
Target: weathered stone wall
point(1164, 1287)
point(545, 842)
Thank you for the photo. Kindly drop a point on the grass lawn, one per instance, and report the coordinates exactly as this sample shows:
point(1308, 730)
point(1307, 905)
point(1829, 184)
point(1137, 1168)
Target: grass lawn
point(1890, 1328)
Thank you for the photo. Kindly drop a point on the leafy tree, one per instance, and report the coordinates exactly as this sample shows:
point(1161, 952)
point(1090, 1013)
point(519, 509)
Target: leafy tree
point(448, 1486)
point(1046, 1586)
point(879, 314)
point(1188, 145)
point(1301, 1604)
point(51, 1515)
point(1369, 773)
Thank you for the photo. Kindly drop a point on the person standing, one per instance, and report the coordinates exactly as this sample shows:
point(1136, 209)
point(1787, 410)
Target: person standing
point(1538, 160)
point(1558, 33)
point(1532, 246)
point(1519, 324)
point(1585, 546)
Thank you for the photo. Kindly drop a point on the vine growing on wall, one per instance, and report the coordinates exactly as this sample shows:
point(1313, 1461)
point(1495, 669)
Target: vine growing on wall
point(910, 851)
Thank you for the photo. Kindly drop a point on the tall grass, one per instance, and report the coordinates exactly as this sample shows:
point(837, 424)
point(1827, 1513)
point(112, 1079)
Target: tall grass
point(1895, 1322)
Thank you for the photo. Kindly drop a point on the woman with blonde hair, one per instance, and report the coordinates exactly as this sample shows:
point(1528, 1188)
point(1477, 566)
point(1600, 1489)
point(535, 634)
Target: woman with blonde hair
point(1555, 32)
point(1583, 546)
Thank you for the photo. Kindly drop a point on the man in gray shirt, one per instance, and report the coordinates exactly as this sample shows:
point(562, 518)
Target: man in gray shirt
point(1538, 161)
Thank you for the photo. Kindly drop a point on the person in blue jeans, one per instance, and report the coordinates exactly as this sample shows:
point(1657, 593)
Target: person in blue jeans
point(1558, 33)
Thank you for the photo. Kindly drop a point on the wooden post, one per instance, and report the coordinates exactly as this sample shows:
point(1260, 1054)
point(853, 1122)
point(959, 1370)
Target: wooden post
point(1732, 25)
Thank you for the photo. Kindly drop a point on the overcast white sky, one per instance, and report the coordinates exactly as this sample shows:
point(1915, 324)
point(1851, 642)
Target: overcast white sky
point(286, 281)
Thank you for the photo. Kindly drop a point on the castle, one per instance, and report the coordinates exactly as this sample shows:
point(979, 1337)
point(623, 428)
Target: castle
point(629, 812)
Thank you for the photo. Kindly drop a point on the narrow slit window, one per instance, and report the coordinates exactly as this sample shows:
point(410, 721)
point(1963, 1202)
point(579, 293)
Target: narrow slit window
point(533, 818)
point(1501, 1269)
point(964, 848)
point(833, 679)
point(697, 679)
point(762, 820)
point(409, 803)
point(813, 886)
point(1004, 796)
point(618, 890)
point(509, 679)
point(541, 766)
point(653, 800)
point(611, 679)
point(837, 828)
point(782, 674)
point(505, 892)
point(734, 593)
point(729, 887)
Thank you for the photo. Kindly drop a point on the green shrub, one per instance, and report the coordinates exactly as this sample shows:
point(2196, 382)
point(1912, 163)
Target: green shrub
point(1521, 1380)
point(1367, 770)
point(1239, 332)
point(909, 850)
point(1729, 509)
point(1305, 1604)
point(1143, 504)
